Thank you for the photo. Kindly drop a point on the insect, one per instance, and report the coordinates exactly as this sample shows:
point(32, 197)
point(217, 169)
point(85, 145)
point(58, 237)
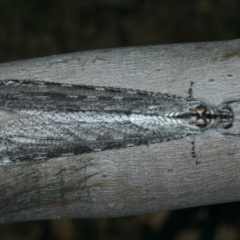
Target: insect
point(43, 120)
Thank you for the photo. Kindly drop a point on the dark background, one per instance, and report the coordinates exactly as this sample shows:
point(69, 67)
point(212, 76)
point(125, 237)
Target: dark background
point(34, 28)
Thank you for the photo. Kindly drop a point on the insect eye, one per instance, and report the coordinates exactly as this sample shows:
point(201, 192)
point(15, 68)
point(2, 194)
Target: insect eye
point(228, 126)
point(227, 107)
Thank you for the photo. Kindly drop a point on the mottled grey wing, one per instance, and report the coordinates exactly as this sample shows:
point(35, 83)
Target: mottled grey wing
point(52, 120)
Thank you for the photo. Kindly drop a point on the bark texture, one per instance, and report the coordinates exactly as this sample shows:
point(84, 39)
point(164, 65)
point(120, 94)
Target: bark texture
point(140, 179)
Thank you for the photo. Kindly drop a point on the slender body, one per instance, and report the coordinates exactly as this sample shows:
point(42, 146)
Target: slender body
point(46, 120)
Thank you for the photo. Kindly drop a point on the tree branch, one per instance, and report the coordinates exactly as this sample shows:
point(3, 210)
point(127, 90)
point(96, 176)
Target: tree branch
point(139, 179)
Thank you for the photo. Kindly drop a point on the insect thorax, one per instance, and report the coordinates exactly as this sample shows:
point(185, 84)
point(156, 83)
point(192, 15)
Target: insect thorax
point(204, 117)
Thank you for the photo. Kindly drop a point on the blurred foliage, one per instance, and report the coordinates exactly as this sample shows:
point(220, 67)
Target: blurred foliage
point(40, 28)
point(217, 222)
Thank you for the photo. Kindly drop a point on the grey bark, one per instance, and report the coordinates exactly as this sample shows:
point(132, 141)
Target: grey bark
point(140, 179)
